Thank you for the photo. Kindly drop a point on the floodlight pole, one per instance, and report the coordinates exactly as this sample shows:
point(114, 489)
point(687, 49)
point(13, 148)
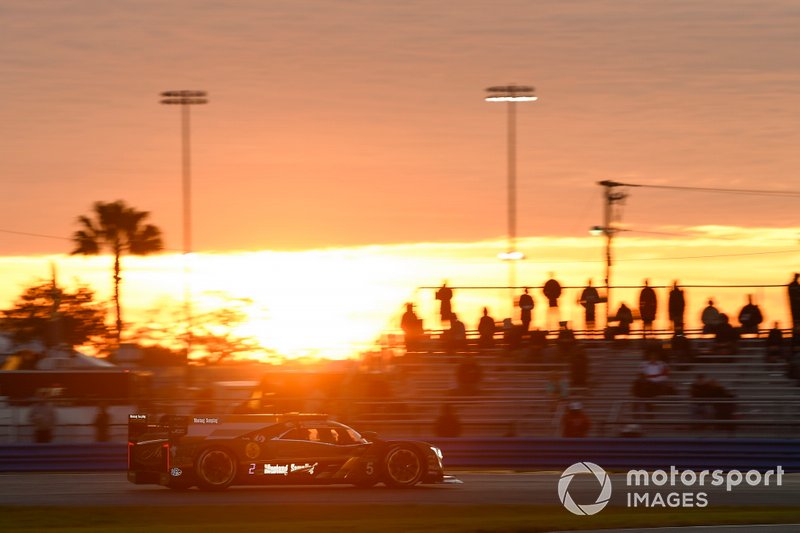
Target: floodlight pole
point(511, 94)
point(186, 99)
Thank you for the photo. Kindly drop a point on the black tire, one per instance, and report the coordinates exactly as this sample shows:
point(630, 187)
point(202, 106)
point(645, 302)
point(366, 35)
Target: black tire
point(403, 467)
point(215, 469)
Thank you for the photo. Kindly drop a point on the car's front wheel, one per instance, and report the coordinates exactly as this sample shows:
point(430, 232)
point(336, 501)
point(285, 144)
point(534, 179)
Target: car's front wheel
point(215, 469)
point(403, 467)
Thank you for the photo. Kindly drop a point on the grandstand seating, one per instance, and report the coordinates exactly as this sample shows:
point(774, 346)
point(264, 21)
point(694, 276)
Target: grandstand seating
point(513, 398)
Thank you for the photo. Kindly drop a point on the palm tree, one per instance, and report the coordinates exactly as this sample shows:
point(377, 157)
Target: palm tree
point(121, 229)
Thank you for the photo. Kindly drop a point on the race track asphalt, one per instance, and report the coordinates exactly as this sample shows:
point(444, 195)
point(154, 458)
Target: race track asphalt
point(478, 488)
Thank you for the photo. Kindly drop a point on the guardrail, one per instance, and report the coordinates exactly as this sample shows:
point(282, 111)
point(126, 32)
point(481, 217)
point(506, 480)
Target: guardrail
point(511, 453)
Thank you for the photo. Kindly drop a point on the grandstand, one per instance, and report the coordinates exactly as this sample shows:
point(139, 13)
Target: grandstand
point(401, 394)
point(513, 398)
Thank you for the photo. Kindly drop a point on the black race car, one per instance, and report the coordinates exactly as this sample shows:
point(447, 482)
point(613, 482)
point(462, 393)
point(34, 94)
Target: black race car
point(215, 452)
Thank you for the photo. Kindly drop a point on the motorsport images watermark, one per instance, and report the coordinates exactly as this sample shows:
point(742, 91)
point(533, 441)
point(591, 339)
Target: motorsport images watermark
point(685, 486)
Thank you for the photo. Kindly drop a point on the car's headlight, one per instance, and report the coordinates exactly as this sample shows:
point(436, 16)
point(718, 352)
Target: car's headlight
point(438, 452)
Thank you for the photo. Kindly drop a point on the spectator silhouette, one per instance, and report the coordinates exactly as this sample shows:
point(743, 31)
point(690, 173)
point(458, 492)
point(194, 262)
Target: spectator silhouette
point(589, 298)
point(677, 306)
point(750, 317)
point(575, 423)
point(624, 318)
point(456, 338)
point(726, 338)
point(793, 364)
point(579, 366)
point(526, 309)
point(774, 345)
point(565, 342)
point(794, 301)
point(724, 408)
point(447, 424)
point(412, 327)
point(101, 423)
point(699, 392)
point(486, 328)
point(445, 295)
point(647, 307)
point(205, 402)
point(680, 350)
point(538, 344)
point(656, 375)
point(512, 334)
point(43, 417)
point(711, 318)
point(552, 291)
point(557, 388)
point(468, 376)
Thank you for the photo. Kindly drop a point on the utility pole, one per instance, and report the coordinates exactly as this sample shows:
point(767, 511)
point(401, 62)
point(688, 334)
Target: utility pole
point(613, 200)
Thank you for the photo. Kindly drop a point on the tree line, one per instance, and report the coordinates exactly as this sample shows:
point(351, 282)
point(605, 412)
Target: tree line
point(55, 316)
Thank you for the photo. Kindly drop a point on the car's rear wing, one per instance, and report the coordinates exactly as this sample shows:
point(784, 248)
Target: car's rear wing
point(167, 425)
point(176, 426)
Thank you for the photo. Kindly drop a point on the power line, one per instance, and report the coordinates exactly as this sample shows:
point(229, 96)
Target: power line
point(634, 259)
point(43, 236)
point(761, 192)
point(34, 235)
point(713, 256)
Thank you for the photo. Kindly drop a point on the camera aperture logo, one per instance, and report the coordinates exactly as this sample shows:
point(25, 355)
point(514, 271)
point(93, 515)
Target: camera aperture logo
point(584, 468)
point(673, 488)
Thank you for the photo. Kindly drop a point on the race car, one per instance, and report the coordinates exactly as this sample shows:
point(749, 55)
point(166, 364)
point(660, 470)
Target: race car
point(214, 452)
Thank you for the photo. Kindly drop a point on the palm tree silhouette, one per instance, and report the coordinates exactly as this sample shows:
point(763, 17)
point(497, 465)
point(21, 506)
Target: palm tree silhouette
point(121, 229)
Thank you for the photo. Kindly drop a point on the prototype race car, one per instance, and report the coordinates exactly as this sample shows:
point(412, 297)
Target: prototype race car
point(216, 452)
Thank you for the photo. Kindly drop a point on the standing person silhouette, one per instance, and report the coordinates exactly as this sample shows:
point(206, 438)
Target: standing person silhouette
point(589, 298)
point(794, 302)
point(750, 317)
point(647, 307)
point(526, 309)
point(486, 329)
point(710, 318)
point(444, 295)
point(411, 325)
point(677, 306)
point(552, 291)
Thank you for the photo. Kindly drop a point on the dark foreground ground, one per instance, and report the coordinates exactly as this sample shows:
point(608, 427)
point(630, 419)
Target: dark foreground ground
point(486, 501)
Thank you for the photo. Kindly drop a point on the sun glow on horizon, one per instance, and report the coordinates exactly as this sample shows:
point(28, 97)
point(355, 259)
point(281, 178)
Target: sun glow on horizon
point(335, 303)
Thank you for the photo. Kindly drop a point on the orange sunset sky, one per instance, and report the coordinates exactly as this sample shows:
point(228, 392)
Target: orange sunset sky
point(359, 129)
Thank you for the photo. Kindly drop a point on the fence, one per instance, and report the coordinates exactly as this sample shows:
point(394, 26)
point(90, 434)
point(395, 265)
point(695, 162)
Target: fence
point(511, 453)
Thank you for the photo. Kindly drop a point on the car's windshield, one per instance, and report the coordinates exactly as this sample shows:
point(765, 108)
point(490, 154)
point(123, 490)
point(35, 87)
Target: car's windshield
point(329, 434)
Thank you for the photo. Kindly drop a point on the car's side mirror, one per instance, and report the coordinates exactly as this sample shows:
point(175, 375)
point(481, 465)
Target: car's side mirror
point(370, 436)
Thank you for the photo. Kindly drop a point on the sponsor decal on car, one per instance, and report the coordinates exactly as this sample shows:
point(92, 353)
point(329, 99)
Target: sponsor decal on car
point(252, 450)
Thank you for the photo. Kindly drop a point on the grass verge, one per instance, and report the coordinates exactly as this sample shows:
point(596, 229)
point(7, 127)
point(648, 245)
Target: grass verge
point(384, 518)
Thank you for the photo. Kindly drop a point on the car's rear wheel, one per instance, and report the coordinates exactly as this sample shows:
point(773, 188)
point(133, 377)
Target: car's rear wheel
point(215, 469)
point(403, 467)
